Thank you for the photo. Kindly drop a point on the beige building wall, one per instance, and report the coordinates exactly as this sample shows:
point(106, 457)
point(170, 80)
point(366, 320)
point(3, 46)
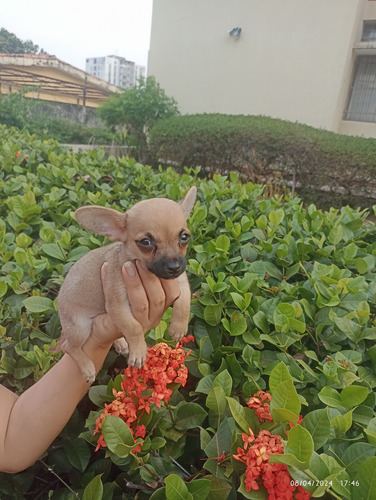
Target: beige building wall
point(293, 59)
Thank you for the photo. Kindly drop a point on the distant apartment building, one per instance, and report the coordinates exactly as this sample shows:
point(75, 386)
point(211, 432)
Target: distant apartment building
point(312, 62)
point(140, 72)
point(116, 70)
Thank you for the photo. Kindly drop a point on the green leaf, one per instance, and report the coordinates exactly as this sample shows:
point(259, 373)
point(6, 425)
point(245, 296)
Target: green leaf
point(222, 439)
point(38, 304)
point(222, 243)
point(287, 459)
point(300, 444)
point(353, 395)
point(285, 397)
point(148, 474)
point(78, 453)
point(261, 321)
point(330, 397)
point(238, 300)
point(350, 251)
point(176, 488)
point(118, 436)
point(212, 314)
point(284, 318)
point(342, 422)
point(276, 216)
point(355, 455)
point(238, 324)
point(157, 443)
point(54, 250)
point(273, 270)
point(317, 424)
point(189, 416)
point(199, 489)
point(349, 328)
point(244, 417)
point(224, 380)
point(159, 494)
point(77, 253)
point(281, 415)
point(364, 487)
point(205, 438)
point(3, 288)
point(335, 235)
point(216, 400)
point(94, 490)
point(205, 384)
point(219, 489)
point(279, 374)
point(361, 265)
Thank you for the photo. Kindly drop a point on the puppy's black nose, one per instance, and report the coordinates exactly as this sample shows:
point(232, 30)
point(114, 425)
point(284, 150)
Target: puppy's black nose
point(173, 267)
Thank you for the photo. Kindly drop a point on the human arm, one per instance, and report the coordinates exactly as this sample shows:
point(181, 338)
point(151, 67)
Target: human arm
point(30, 422)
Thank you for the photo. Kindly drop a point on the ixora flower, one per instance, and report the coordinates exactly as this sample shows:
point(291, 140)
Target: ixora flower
point(255, 454)
point(260, 404)
point(146, 386)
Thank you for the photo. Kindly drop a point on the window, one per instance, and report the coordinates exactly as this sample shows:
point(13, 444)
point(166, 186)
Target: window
point(362, 102)
point(369, 31)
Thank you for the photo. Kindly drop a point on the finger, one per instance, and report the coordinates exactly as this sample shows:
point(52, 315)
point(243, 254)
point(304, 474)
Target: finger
point(137, 296)
point(103, 330)
point(103, 271)
point(154, 291)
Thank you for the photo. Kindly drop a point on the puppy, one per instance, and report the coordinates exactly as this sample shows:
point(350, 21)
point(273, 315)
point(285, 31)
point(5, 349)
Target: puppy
point(153, 231)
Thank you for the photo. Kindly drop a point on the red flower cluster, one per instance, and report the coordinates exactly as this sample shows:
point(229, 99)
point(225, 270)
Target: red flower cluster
point(260, 403)
point(255, 455)
point(276, 478)
point(24, 158)
point(145, 386)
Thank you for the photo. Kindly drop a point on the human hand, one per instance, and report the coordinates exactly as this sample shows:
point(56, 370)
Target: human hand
point(149, 298)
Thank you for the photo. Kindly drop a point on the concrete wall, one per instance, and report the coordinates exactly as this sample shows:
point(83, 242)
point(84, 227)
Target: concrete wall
point(293, 59)
point(71, 112)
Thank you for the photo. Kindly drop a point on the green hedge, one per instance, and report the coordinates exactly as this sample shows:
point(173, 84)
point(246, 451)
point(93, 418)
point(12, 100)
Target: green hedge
point(258, 146)
point(283, 301)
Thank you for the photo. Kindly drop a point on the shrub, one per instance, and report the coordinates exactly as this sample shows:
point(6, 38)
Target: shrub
point(328, 168)
point(283, 303)
point(136, 110)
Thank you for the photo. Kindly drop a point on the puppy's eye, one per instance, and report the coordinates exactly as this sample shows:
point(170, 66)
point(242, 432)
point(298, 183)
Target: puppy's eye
point(145, 243)
point(184, 238)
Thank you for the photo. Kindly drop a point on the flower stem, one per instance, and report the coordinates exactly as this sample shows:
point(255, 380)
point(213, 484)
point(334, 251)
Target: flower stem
point(50, 469)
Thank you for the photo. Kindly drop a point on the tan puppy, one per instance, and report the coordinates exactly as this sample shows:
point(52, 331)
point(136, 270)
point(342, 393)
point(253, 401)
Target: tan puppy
point(153, 231)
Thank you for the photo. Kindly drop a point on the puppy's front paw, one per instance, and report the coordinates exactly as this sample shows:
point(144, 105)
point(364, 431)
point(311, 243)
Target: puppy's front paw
point(121, 346)
point(137, 357)
point(177, 330)
point(88, 375)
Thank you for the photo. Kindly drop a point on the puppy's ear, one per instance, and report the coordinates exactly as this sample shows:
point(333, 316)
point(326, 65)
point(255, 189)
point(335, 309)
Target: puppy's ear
point(188, 201)
point(102, 220)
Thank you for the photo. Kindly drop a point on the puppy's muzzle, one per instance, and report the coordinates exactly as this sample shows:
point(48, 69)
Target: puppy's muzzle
point(167, 268)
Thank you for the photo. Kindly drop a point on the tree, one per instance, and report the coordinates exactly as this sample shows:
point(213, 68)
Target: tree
point(11, 44)
point(137, 110)
point(16, 110)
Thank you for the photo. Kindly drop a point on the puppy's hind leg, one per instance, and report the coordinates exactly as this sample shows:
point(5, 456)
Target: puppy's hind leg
point(121, 346)
point(75, 333)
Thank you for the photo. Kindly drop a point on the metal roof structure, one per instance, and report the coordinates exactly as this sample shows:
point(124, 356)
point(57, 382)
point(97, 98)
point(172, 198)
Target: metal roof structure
point(54, 80)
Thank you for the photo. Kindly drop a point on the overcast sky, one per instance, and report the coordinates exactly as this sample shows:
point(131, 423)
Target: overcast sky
point(73, 30)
